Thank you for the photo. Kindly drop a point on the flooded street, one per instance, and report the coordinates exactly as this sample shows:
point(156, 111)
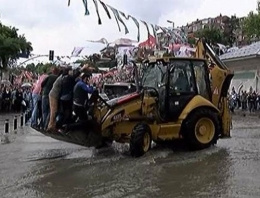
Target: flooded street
point(33, 165)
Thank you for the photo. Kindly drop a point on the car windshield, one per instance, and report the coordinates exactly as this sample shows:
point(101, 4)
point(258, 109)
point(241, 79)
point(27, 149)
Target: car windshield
point(152, 75)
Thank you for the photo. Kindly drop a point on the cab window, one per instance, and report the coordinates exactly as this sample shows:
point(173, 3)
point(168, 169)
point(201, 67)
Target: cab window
point(180, 78)
point(201, 78)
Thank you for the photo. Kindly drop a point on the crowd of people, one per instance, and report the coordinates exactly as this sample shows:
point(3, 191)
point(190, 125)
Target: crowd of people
point(58, 94)
point(244, 100)
point(15, 99)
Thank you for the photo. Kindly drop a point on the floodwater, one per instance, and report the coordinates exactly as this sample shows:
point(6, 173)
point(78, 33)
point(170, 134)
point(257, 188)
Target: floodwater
point(32, 165)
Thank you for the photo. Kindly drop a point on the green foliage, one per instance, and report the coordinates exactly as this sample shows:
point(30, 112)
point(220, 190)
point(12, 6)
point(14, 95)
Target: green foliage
point(230, 28)
point(252, 25)
point(40, 68)
point(192, 41)
point(11, 45)
point(212, 35)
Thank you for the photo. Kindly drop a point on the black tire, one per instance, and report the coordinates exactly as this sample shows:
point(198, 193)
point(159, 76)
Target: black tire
point(137, 147)
point(191, 134)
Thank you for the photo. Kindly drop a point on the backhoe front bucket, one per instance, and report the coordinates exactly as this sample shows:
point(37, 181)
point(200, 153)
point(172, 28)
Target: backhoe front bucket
point(84, 136)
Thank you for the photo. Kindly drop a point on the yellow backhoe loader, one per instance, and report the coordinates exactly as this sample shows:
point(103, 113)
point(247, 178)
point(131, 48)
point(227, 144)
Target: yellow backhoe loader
point(176, 98)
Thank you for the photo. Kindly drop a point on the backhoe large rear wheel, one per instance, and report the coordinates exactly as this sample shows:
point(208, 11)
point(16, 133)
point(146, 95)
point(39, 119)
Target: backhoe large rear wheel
point(201, 129)
point(141, 140)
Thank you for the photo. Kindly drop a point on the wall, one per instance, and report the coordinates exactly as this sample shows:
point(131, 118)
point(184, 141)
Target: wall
point(244, 64)
point(247, 72)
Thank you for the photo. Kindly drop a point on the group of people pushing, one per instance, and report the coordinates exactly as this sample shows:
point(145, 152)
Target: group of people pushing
point(60, 93)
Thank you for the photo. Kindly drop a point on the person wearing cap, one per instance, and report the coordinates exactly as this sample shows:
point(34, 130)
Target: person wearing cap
point(80, 96)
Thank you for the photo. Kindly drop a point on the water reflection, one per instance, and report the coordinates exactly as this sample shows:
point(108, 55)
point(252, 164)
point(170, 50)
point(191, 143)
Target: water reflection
point(199, 176)
point(180, 174)
point(35, 166)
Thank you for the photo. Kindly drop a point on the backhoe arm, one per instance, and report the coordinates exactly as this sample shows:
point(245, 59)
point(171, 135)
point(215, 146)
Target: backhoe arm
point(221, 78)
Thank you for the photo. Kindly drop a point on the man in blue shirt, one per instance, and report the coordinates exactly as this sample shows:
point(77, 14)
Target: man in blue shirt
point(80, 96)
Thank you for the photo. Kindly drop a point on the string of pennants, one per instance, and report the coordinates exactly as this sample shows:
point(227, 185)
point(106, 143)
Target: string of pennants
point(58, 57)
point(119, 16)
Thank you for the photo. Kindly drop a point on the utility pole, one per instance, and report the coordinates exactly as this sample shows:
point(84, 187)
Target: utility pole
point(169, 21)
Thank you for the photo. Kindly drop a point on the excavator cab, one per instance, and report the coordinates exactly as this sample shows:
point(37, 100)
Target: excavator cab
point(178, 81)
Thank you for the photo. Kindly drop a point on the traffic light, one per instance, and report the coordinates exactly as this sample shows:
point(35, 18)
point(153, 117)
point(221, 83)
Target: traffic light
point(51, 55)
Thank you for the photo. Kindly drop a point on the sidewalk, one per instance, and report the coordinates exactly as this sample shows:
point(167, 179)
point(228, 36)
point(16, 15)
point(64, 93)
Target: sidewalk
point(240, 112)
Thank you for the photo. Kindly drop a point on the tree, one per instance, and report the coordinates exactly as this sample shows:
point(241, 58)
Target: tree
point(230, 28)
point(191, 41)
point(31, 67)
point(12, 45)
point(38, 68)
point(252, 25)
point(212, 35)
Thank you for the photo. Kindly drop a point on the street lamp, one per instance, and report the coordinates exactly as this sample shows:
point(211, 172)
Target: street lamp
point(171, 33)
point(171, 23)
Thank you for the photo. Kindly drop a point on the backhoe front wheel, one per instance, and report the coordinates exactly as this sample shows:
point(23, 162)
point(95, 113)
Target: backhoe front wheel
point(201, 129)
point(141, 140)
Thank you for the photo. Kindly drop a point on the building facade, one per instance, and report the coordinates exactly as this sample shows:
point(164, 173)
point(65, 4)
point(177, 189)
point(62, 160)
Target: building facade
point(245, 62)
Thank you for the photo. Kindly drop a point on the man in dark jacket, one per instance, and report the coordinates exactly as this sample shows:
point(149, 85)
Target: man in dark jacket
point(80, 96)
point(66, 95)
point(46, 88)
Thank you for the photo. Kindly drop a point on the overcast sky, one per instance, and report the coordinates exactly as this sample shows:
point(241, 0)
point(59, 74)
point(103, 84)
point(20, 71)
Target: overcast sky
point(51, 24)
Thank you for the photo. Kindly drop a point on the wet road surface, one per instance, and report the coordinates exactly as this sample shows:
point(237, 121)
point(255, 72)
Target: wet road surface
point(33, 165)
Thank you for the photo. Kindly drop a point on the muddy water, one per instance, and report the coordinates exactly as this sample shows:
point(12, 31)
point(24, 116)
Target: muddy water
point(36, 166)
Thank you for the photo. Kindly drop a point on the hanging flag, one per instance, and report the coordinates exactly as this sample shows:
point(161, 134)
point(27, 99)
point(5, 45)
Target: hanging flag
point(178, 34)
point(105, 8)
point(163, 29)
point(85, 2)
point(119, 28)
point(69, 3)
point(102, 40)
point(97, 11)
point(146, 28)
point(155, 34)
point(156, 27)
point(116, 14)
point(76, 51)
point(138, 27)
point(124, 15)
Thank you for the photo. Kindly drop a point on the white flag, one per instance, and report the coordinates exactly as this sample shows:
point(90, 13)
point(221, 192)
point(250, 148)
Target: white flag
point(102, 40)
point(76, 51)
